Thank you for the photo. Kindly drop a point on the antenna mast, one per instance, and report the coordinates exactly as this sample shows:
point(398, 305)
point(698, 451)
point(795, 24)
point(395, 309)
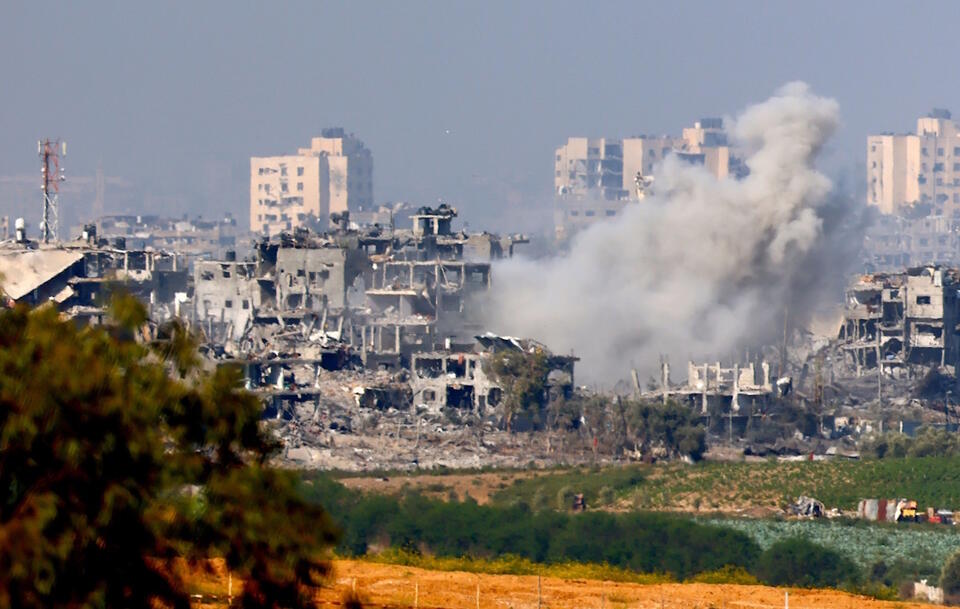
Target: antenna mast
point(51, 173)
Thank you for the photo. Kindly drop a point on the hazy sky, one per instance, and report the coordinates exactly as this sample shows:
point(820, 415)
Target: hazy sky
point(175, 97)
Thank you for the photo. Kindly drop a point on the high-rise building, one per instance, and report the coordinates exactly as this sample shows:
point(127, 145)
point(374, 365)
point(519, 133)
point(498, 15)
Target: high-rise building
point(641, 154)
point(707, 139)
point(333, 175)
point(590, 165)
point(594, 178)
point(917, 168)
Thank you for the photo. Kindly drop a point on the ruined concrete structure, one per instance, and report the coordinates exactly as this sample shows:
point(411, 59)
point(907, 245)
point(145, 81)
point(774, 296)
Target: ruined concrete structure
point(76, 276)
point(893, 243)
point(192, 239)
point(458, 376)
point(376, 298)
point(896, 320)
point(711, 387)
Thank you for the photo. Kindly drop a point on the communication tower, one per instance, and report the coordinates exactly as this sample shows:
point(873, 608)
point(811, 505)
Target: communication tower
point(50, 152)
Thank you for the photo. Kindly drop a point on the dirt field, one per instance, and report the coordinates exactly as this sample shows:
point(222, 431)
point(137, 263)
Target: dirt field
point(396, 586)
point(478, 486)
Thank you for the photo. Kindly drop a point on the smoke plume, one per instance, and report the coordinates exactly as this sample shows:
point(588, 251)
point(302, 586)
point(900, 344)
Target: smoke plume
point(701, 268)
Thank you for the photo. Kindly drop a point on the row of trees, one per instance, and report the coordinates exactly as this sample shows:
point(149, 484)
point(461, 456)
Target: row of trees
point(644, 542)
point(929, 442)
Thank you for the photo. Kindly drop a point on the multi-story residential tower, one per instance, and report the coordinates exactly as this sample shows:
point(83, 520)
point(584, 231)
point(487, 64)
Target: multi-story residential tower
point(333, 175)
point(921, 167)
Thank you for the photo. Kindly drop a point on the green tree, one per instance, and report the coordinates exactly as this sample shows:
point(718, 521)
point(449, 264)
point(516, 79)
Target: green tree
point(671, 426)
point(523, 377)
point(120, 461)
point(950, 578)
point(799, 562)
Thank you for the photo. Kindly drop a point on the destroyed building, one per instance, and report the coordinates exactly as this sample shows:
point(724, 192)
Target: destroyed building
point(381, 299)
point(893, 243)
point(726, 388)
point(713, 388)
point(389, 292)
point(894, 321)
point(458, 376)
point(192, 239)
point(77, 276)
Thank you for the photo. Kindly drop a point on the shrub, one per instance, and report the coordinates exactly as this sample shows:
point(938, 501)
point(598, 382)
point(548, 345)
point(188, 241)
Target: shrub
point(798, 562)
point(726, 575)
point(565, 498)
point(605, 496)
point(950, 578)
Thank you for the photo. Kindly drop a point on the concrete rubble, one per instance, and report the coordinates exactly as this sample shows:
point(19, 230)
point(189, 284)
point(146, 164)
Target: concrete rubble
point(367, 346)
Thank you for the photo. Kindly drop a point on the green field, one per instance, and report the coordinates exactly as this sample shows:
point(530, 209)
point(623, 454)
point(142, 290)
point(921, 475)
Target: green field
point(739, 487)
point(924, 546)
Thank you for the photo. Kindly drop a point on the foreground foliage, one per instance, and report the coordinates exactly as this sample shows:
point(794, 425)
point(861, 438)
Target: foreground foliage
point(118, 459)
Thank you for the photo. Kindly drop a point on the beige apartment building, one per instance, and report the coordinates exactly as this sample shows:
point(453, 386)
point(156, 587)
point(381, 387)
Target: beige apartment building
point(590, 165)
point(921, 167)
point(640, 154)
point(708, 139)
point(333, 175)
point(594, 178)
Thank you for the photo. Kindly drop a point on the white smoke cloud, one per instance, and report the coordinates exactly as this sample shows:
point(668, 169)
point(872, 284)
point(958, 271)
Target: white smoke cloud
point(702, 267)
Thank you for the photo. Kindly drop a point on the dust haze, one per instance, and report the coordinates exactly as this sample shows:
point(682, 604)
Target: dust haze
point(703, 267)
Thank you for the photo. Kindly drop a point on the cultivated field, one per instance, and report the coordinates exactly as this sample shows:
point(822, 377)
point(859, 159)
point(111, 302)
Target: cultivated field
point(478, 486)
point(401, 586)
point(756, 488)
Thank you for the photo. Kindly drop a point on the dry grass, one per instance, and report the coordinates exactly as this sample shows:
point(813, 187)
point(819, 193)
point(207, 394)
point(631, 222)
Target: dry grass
point(404, 586)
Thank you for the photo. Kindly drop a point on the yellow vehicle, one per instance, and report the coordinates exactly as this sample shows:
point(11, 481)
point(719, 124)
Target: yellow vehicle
point(907, 511)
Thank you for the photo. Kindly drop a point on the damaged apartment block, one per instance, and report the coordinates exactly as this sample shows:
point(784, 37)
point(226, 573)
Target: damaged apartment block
point(459, 376)
point(77, 276)
point(898, 321)
point(373, 298)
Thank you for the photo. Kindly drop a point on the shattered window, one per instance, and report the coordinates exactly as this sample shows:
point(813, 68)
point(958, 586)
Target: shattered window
point(589, 212)
point(246, 304)
point(228, 304)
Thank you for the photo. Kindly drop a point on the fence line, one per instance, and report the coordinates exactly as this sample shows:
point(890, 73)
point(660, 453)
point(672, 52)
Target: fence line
point(408, 593)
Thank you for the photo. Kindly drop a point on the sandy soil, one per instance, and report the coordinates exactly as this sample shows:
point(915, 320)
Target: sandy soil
point(396, 586)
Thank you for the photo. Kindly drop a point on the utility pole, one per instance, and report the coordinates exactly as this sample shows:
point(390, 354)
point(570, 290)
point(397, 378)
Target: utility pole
point(51, 173)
